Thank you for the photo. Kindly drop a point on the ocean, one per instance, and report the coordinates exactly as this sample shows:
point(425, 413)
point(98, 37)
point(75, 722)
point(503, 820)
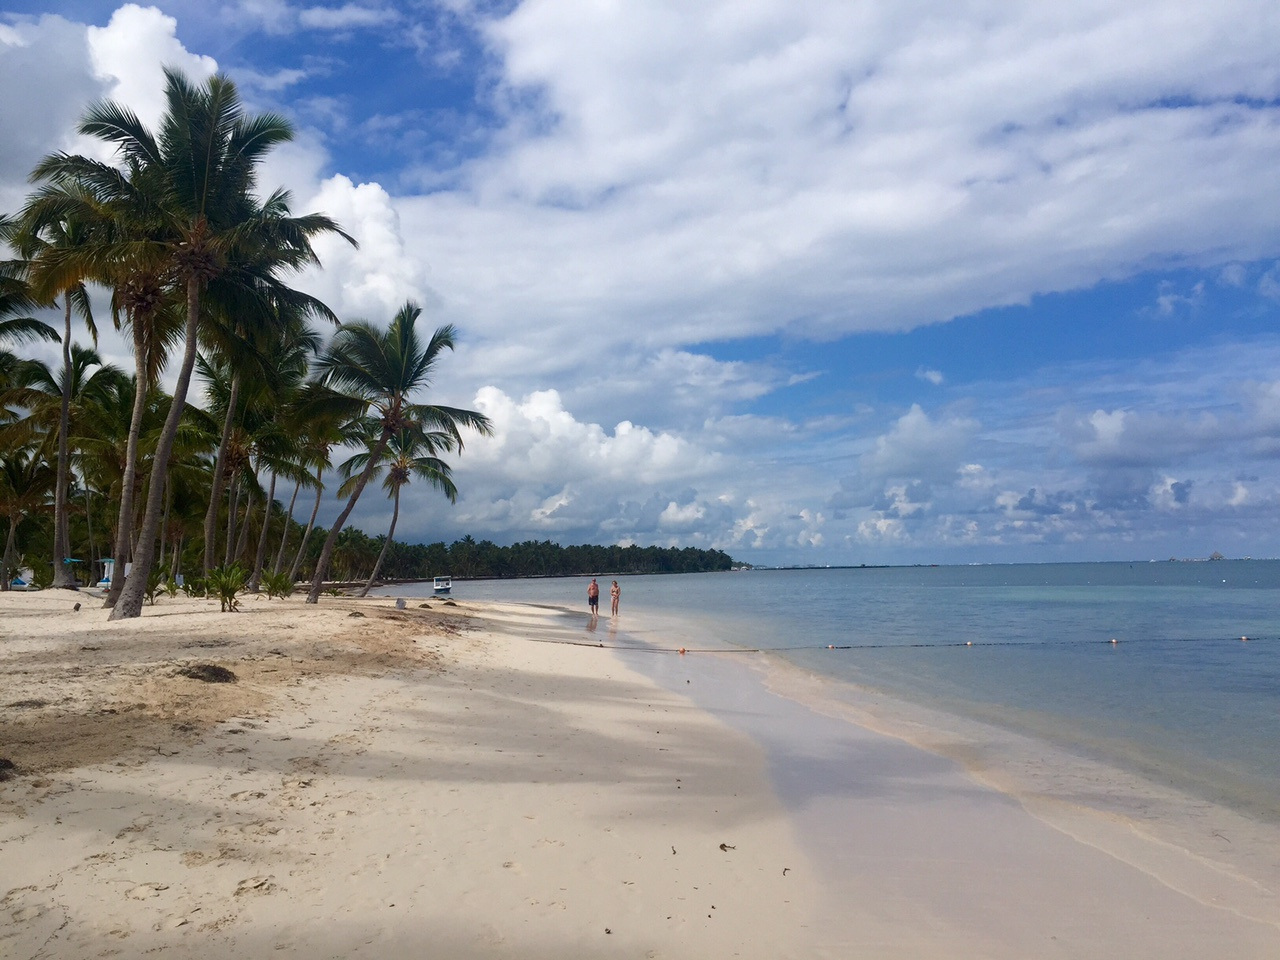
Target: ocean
point(1187, 696)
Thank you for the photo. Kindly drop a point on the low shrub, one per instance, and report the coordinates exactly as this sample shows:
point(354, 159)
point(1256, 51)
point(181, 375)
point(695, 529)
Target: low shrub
point(277, 584)
point(225, 583)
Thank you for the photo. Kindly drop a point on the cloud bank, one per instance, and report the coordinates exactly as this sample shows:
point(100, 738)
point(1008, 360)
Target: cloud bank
point(654, 223)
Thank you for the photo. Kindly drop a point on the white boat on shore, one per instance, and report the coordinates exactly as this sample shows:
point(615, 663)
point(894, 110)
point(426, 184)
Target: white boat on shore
point(442, 585)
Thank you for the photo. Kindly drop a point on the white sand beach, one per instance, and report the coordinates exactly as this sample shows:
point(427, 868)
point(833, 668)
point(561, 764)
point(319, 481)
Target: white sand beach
point(405, 784)
point(437, 783)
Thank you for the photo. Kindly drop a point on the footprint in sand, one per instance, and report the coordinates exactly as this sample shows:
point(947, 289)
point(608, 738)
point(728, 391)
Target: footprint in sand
point(254, 885)
point(145, 891)
point(260, 828)
point(136, 827)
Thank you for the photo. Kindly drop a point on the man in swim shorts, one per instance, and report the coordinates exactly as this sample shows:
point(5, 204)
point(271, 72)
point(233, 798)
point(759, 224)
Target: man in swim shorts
point(593, 597)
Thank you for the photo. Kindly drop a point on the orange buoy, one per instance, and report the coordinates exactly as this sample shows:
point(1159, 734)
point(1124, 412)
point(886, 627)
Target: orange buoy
point(682, 651)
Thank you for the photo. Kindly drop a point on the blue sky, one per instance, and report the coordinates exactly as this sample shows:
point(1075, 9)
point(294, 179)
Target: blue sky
point(811, 282)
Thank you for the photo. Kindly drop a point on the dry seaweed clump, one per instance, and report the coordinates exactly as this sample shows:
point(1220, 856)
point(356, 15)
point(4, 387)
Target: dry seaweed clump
point(7, 769)
point(208, 673)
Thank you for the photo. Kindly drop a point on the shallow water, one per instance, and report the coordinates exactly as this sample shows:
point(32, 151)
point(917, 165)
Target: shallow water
point(1179, 699)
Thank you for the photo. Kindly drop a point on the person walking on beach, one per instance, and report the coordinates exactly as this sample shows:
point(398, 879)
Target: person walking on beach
point(593, 596)
point(615, 593)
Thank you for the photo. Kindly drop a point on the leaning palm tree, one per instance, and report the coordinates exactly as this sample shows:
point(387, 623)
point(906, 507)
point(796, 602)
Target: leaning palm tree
point(114, 442)
point(385, 369)
point(325, 418)
point(119, 210)
point(246, 336)
point(186, 201)
point(409, 453)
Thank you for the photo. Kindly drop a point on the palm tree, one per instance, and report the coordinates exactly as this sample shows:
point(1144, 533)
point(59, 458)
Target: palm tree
point(25, 482)
point(35, 239)
point(408, 453)
point(120, 209)
point(325, 419)
point(186, 209)
point(60, 408)
point(278, 442)
point(115, 437)
point(385, 370)
point(246, 338)
point(16, 302)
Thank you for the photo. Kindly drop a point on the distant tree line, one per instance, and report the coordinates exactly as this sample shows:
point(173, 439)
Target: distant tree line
point(471, 559)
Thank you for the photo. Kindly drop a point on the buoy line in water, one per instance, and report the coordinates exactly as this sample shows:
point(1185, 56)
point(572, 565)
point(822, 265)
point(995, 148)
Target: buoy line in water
point(1113, 641)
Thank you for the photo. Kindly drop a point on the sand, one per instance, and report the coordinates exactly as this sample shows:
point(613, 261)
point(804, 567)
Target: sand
point(399, 784)
point(447, 783)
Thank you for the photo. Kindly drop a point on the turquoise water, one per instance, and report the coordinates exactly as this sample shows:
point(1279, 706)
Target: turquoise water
point(1180, 698)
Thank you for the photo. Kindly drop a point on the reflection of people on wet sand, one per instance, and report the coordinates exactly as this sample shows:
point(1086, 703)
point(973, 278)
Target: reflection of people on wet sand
point(615, 593)
point(593, 596)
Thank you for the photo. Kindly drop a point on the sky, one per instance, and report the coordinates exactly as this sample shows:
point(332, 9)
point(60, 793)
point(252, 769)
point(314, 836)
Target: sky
point(807, 281)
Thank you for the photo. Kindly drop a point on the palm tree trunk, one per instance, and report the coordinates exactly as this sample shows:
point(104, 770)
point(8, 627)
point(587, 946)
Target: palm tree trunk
point(88, 522)
point(232, 506)
point(395, 515)
point(243, 541)
point(261, 558)
point(297, 559)
point(326, 552)
point(164, 523)
point(124, 526)
point(62, 576)
point(288, 522)
point(7, 558)
point(215, 495)
point(131, 597)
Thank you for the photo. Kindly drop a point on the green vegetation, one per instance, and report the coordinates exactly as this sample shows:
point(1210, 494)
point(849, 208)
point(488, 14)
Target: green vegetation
point(471, 559)
point(155, 585)
point(277, 584)
point(193, 259)
point(225, 583)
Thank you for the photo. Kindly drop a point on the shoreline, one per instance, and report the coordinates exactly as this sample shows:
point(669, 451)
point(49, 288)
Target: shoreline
point(1198, 865)
point(385, 782)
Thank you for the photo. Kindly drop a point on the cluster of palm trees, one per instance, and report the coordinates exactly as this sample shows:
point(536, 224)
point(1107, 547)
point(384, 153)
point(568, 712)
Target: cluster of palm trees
point(194, 262)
